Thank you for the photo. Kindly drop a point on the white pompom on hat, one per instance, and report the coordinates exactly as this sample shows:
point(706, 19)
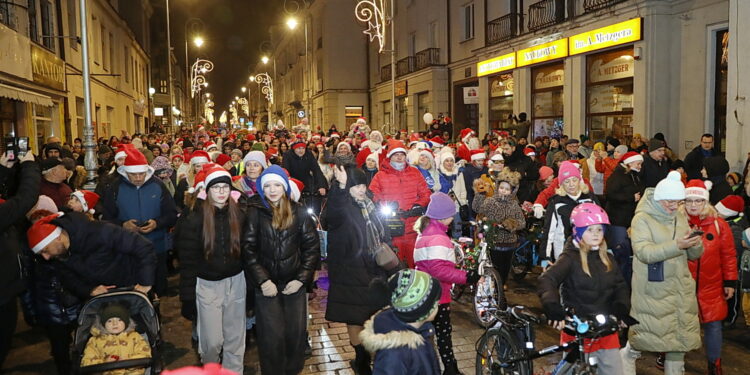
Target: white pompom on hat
point(670, 188)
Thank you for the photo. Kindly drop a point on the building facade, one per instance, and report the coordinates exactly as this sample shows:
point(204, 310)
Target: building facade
point(41, 90)
point(594, 67)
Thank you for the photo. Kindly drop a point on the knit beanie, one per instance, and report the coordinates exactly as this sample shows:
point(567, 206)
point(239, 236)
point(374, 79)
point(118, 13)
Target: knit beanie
point(441, 206)
point(697, 189)
point(258, 146)
point(258, 156)
point(355, 176)
point(568, 170)
point(621, 149)
point(115, 310)
point(545, 172)
point(414, 295)
point(654, 144)
point(670, 188)
point(273, 173)
point(223, 159)
point(731, 206)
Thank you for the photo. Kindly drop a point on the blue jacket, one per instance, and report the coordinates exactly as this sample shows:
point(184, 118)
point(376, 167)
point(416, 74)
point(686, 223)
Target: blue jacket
point(399, 348)
point(446, 182)
point(123, 201)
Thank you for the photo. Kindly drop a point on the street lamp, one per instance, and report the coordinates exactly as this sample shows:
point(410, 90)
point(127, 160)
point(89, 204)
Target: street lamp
point(198, 41)
point(266, 83)
point(373, 12)
point(244, 89)
point(292, 23)
point(193, 26)
point(264, 59)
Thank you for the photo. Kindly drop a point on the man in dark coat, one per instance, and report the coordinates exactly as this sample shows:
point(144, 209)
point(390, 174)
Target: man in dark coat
point(92, 256)
point(517, 161)
point(302, 165)
point(655, 164)
point(13, 209)
point(716, 171)
point(694, 159)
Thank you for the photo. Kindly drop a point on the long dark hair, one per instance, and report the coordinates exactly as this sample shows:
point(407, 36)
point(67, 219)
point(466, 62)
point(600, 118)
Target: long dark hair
point(209, 227)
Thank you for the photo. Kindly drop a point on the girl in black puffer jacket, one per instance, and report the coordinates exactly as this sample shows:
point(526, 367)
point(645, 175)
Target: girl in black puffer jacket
point(280, 250)
point(212, 281)
point(586, 279)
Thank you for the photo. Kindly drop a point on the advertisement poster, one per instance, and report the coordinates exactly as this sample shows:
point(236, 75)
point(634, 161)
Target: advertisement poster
point(548, 127)
point(471, 95)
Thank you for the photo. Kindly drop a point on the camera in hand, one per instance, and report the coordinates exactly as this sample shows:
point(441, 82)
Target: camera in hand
point(16, 147)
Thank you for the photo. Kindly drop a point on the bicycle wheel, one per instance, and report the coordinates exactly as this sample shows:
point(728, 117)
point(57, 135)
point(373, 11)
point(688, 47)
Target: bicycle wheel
point(496, 347)
point(489, 297)
point(521, 262)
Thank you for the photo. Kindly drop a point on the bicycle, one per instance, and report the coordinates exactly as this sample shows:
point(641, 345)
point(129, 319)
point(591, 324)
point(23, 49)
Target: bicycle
point(460, 248)
point(489, 296)
point(526, 255)
point(507, 355)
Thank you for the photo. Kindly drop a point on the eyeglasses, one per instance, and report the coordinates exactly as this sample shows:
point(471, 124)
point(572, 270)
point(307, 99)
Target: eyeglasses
point(220, 188)
point(671, 202)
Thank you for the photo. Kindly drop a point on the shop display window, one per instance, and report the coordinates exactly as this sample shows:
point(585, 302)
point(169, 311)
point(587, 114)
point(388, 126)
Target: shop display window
point(609, 95)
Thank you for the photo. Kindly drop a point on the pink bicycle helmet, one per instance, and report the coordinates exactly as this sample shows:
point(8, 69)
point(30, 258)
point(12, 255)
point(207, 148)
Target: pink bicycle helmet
point(586, 214)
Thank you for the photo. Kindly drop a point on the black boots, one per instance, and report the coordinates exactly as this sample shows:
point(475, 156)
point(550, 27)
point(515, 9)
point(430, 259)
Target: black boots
point(714, 368)
point(361, 363)
point(451, 369)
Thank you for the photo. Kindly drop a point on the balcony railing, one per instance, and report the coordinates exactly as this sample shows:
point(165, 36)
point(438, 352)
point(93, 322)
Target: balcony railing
point(592, 5)
point(503, 28)
point(546, 13)
point(405, 66)
point(428, 57)
point(385, 73)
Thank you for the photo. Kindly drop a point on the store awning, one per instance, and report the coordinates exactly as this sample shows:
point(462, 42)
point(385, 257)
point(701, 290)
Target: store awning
point(16, 93)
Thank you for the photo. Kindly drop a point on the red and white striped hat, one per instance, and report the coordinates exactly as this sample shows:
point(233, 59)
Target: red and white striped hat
point(215, 173)
point(631, 157)
point(135, 162)
point(478, 155)
point(43, 232)
point(199, 157)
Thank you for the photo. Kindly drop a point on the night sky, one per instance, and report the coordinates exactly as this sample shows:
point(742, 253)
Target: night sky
point(233, 32)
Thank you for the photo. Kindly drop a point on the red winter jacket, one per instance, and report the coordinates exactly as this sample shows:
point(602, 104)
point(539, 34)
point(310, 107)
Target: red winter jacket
point(715, 269)
point(407, 187)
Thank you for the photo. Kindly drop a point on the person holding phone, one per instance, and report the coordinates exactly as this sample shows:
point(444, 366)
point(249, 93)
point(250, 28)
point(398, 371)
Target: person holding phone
point(663, 295)
point(715, 272)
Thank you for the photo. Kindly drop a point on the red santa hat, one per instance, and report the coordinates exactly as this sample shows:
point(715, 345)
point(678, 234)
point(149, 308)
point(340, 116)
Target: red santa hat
point(135, 162)
point(296, 189)
point(299, 144)
point(697, 189)
point(361, 121)
point(731, 206)
point(121, 150)
point(250, 137)
point(88, 199)
point(215, 173)
point(43, 232)
point(437, 141)
point(528, 151)
point(631, 157)
point(223, 159)
point(478, 155)
point(175, 156)
point(395, 146)
point(210, 145)
point(201, 128)
point(335, 135)
point(199, 181)
point(199, 157)
point(466, 133)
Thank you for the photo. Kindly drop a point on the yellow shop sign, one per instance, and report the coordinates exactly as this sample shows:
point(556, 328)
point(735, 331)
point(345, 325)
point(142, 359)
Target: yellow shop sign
point(612, 35)
point(497, 64)
point(543, 52)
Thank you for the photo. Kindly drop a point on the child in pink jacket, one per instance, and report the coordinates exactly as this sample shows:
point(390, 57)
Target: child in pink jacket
point(434, 254)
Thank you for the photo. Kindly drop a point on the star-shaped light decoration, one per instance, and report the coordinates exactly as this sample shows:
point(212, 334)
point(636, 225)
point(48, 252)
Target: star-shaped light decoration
point(372, 12)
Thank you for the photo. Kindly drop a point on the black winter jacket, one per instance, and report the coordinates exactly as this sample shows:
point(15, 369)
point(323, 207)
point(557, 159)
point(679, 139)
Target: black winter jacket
point(654, 171)
point(305, 169)
point(601, 293)
point(529, 170)
point(694, 162)
point(45, 301)
point(620, 192)
point(11, 211)
point(351, 268)
point(279, 256)
point(188, 241)
point(103, 254)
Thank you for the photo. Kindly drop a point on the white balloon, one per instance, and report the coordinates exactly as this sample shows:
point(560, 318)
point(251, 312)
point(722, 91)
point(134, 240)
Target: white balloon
point(427, 117)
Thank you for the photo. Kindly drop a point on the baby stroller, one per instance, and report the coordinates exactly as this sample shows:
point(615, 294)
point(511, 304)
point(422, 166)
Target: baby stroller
point(144, 315)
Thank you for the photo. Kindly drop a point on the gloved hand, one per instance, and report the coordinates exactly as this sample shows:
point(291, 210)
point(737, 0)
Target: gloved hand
point(623, 314)
point(268, 288)
point(472, 277)
point(538, 211)
point(189, 310)
point(292, 287)
point(554, 312)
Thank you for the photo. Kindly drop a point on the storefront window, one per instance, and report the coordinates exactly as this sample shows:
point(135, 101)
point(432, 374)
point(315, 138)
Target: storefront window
point(423, 106)
point(353, 113)
point(609, 108)
point(44, 118)
point(501, 100)
point(547, 100)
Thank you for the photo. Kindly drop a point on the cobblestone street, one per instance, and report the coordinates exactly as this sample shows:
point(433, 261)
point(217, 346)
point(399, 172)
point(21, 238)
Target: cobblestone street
point(330, 342)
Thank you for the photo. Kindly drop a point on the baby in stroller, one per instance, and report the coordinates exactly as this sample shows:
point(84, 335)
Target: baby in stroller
point(113, 338)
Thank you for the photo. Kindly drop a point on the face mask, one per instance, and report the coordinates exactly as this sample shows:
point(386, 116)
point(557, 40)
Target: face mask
point(398, 166)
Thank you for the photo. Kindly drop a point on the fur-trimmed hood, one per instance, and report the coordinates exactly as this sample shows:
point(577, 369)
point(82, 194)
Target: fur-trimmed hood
point(391, 333)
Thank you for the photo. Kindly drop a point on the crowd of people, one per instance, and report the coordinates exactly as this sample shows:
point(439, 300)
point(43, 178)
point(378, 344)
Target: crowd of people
point(628, 230)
